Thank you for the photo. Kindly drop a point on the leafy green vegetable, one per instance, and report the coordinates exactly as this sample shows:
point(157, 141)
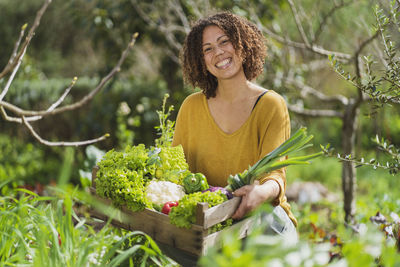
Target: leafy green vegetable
point(121, 177)
point(220, 226)
point(184, 215)
point(172, 165)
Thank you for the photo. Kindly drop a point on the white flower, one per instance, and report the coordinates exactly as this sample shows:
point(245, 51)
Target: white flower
point(95, 256)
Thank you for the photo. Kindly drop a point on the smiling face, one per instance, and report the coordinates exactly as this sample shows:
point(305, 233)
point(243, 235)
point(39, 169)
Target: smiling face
point(220, 56)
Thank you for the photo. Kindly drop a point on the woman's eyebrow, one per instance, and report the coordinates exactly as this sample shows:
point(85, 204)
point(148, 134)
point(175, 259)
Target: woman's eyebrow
point(217, 39)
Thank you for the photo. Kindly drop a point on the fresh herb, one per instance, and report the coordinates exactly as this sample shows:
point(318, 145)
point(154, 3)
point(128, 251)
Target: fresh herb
point(166, 128)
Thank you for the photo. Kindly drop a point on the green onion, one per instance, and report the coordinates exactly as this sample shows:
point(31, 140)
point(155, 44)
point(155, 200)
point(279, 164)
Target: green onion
point(272, 161)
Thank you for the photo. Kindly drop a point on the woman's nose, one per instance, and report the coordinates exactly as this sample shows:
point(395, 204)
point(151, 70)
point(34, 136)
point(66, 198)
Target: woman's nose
point(218, 51)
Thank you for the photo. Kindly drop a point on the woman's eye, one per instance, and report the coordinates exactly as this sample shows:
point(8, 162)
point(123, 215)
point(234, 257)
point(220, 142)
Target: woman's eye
point(225, 41)
point(208, 49)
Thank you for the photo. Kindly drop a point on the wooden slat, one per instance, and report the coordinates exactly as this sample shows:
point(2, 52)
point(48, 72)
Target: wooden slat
point(158, 226)
point(243, 227)
point(220, 212)
point(94, 175)
point(200, 209)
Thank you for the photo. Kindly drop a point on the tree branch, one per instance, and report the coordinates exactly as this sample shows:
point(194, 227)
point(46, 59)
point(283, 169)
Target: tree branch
point(205, 4)
point(286, 41)
point(325, 18)
point(11, 78)
point(14, 59)
point(308, 90)
point(7, 118)
point(52, 107)
point(21, 112)
point(167, 29)
point(357, 64)
point(16, 45)
point(298, 23)
point(182, 16)
point(313, 112)
point(365, 43)
point(24, 116)
point(49, 143)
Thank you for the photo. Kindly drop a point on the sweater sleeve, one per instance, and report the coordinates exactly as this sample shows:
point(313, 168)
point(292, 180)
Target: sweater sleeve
point(180, 130)
point(177, 138)
point(277, 131)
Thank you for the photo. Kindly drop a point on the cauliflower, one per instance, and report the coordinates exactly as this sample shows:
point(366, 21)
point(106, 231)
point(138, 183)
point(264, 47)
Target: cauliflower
point(160, 192)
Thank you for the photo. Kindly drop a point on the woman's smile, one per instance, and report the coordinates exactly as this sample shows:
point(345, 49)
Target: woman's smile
point(223, 64)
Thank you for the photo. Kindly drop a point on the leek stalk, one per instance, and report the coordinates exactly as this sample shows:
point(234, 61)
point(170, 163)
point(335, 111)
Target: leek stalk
point(273, 160)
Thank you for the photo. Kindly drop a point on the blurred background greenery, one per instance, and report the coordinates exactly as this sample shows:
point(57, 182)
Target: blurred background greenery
point(84, 38)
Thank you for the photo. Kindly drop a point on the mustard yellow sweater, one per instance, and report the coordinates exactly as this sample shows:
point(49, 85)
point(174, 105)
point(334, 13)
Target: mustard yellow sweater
point(217, 154)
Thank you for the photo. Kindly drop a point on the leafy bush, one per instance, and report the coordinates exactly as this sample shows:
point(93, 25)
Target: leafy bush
point(23, 162)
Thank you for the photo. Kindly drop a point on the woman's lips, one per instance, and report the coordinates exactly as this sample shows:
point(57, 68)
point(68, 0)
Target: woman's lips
point(223, 64)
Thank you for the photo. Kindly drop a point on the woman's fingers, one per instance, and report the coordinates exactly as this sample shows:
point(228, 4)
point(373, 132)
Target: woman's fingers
point(240, 211)
point(245, 189)
point(248, 202)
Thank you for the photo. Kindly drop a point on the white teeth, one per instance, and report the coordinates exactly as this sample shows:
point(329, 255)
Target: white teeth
point(223, 63)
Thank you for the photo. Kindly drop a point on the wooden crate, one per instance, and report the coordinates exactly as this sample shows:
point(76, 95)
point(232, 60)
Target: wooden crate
point(194, 241)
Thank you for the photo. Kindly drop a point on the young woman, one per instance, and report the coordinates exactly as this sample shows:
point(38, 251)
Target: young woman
point(232, 122)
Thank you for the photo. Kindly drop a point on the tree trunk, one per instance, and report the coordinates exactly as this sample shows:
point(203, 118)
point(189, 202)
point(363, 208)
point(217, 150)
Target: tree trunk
point(349, 178)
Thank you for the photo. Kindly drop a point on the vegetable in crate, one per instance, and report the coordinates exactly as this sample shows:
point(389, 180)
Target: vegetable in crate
point(168, 206)
point(123, 176)
point(221, 189)
point(168, 163)
point(184, 215)
point(195, 182)
point(160, 192)
point(272, 161)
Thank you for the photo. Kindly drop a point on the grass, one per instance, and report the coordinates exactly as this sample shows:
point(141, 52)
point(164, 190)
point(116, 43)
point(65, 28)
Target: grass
point(46, 231)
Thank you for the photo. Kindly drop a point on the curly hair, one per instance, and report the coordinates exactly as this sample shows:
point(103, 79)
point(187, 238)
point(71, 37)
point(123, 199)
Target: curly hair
point(246, 38)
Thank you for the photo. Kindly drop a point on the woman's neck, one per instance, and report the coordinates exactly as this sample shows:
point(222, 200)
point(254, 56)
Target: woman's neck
point(233, 89)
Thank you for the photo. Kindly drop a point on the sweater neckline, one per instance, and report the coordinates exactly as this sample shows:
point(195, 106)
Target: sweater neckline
point(215, 125)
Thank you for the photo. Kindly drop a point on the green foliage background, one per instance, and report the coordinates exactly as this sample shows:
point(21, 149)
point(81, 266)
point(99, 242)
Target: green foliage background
point(84, 38)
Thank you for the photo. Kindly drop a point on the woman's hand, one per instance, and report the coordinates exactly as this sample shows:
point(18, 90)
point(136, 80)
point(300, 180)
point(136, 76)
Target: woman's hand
point(254, 195)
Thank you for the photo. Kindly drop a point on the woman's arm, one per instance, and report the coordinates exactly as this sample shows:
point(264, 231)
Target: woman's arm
point(254, 195)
